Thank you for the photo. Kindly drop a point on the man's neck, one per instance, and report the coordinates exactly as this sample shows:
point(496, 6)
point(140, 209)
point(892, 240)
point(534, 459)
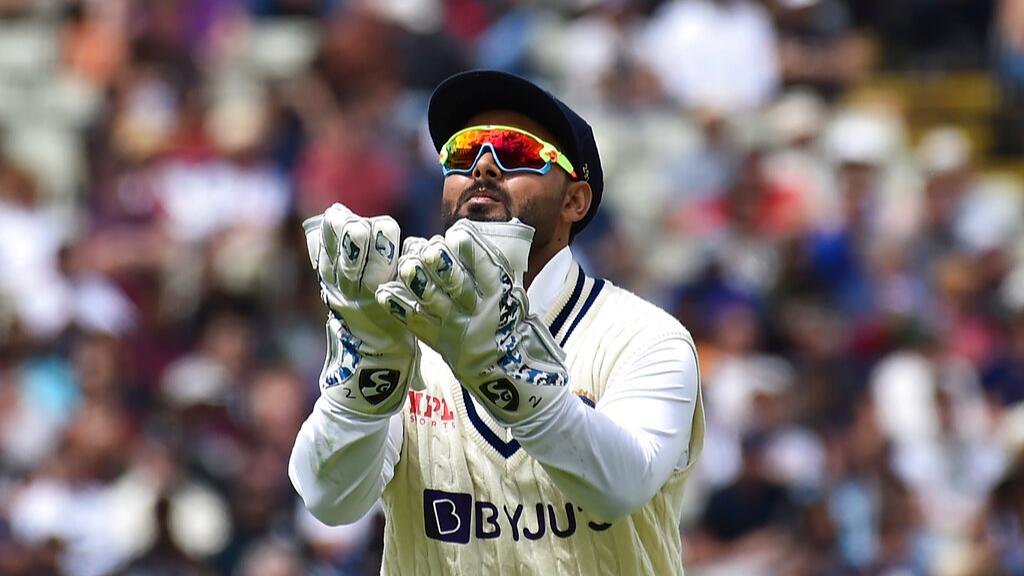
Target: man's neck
point(548, 281)
point(538, 259)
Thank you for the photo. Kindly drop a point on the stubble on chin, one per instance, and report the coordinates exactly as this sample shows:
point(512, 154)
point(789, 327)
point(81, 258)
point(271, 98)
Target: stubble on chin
point(500, 212)
point(486, 213)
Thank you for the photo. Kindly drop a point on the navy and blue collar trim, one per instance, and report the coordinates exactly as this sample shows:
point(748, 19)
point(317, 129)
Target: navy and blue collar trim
point(585, 291)
point(506, 449)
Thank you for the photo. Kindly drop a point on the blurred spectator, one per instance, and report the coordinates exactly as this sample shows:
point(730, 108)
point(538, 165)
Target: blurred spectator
point(818, 46)
point(1008, 42)
point(719, 54)
point(93, 40)
point(344, 164)
point(734, 373)
point(271, 559)
point(710, 170)
point(745, 523)
point(1003, 378)
point(753, 214)
point(593, 54)
point(200, 197)
point(164, 557)
point(211, 374)
point(277, 407)
point(30, 241)
point(961, 213)
point(796, 121)
point(356, 547)
point(39, 400)
point(74, 500)
point(932, 409)
point(874, 516)
point(872, 209)
point(1007, 516)
point(928, 34)
point(358, 59)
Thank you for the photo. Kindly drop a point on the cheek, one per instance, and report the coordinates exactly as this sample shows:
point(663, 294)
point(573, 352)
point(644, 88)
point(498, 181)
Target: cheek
point(536, 206)
point(523, 193)
point(453, 187)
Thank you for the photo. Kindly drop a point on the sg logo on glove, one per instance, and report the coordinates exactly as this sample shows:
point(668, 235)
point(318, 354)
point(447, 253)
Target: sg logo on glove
point(377, 385)
point(501, 393)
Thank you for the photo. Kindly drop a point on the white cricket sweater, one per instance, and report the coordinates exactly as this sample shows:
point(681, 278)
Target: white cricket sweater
point(462, 495)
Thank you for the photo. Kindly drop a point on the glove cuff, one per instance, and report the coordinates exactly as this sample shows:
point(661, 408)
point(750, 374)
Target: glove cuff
point(365, 380)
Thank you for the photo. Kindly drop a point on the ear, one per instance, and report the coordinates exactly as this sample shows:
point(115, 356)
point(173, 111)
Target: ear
point(576, 201)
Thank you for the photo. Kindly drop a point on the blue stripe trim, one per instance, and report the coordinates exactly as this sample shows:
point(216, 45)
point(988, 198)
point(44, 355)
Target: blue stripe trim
point(598, 284)
point(506, 449)
point(563, 314)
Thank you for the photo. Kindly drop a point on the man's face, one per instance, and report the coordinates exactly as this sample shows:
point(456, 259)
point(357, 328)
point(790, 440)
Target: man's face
point(489, 194)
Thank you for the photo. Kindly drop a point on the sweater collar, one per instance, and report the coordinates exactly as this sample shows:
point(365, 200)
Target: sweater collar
point(549, 283)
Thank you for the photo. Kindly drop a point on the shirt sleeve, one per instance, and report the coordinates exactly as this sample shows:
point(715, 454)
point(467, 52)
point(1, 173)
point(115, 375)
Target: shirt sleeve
point(612, 460)
point(341, 462)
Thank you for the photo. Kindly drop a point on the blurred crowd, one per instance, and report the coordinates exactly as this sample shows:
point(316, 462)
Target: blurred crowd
point(857, 294)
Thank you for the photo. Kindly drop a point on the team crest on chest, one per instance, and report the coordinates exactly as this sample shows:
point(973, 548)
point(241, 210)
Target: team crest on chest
point(586, 396)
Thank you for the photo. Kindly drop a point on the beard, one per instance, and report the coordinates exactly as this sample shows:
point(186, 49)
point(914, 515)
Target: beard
point(477, 212)
point(540, 213)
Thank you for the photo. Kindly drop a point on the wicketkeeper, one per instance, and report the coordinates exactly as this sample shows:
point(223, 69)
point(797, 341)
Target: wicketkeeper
point(514, 415)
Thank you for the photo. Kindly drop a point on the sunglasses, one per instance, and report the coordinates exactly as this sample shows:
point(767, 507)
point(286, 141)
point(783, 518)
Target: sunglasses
point(514, 150)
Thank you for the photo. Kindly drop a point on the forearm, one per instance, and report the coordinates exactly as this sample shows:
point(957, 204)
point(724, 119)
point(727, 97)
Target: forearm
point(345, 452)
point(612, 460)
point(341, 462)
point(608, 470)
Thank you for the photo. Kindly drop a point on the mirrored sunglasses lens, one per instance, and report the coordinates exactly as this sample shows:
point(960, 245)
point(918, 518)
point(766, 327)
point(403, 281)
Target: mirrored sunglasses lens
point(517, 150)
point(514, 149)
point(462, 151)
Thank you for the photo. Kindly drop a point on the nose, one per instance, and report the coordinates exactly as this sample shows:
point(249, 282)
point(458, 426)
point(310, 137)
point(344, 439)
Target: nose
point(487, 167)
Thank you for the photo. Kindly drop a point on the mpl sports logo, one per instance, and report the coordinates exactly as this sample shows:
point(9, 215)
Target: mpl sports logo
point(456, 518)
point(429, 410)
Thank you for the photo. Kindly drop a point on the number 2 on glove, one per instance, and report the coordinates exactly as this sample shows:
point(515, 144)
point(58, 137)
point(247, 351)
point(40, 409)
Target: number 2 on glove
point(371, 358)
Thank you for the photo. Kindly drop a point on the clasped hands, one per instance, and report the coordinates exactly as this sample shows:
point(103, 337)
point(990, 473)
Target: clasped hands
point(461, 294)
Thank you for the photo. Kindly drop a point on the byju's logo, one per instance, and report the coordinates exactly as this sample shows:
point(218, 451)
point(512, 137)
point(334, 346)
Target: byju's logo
point(454, 517)
point(446, 515)
point(377, 385)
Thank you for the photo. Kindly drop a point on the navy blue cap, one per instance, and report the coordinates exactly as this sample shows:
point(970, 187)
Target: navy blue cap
point(464, 95)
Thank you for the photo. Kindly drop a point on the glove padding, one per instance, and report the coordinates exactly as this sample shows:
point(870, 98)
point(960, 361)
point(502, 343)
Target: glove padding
point(464, 297)
point(370, 356)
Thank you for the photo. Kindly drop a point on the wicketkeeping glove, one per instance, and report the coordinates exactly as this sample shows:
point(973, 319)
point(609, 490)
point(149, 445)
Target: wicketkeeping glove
point(371, 357)
point(463, 296)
